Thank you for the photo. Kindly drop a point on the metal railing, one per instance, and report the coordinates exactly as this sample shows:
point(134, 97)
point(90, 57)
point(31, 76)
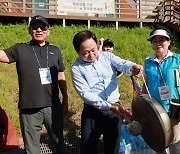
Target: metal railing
point(125, 10)
point(172, 11)
point(169, 11)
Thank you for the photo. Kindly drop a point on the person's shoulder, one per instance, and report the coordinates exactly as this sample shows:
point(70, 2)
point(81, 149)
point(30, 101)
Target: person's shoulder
point(149, 58)
point(53, 45)
point(78, 62)
point(23, 43)
point(105, 53)
point(54, 48)
point(176, 55)
point(75, 66)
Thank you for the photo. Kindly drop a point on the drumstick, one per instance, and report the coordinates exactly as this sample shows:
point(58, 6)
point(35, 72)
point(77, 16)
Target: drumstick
point(124, 115)
point(146, 86)
point(134, 127)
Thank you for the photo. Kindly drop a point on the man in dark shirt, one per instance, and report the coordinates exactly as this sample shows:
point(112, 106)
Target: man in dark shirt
point(40, 71)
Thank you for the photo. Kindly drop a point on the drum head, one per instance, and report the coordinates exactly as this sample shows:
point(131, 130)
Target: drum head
point(157, 131)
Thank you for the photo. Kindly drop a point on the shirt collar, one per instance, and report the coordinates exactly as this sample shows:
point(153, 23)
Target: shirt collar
point(32, 42)
point(154, 58)
point(83, 62)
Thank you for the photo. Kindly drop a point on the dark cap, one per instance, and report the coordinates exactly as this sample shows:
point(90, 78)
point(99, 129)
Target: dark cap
point(39, 18)
point(108, 42)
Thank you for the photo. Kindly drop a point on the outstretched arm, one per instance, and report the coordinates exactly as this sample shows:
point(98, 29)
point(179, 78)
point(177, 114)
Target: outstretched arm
point(101, 43)
point(3, 57)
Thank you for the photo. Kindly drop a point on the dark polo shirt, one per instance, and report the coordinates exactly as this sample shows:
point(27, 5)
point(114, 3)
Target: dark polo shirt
point(32, 94)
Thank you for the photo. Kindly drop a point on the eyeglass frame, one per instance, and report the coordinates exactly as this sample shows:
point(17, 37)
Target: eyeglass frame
point(42, 27)
point(161, 41)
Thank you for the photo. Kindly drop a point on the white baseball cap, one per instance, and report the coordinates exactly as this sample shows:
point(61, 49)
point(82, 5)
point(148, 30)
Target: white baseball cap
point(160, 32)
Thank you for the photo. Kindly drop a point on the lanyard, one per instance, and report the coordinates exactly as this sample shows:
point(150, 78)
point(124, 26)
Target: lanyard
point(161, 75)
point(37, 57)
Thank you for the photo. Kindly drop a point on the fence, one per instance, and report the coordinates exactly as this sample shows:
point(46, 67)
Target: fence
point(125, 10)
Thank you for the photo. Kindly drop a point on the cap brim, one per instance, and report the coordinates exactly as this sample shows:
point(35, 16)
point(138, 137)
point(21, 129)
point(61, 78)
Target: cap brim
point(160, 32)
point(40, 21)
point(39, 18)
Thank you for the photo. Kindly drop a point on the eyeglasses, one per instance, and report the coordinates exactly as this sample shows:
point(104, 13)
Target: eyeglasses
point(42, 27)
point(159, 42)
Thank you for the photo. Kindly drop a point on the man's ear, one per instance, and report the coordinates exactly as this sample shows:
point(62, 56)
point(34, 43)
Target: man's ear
point(48, 33)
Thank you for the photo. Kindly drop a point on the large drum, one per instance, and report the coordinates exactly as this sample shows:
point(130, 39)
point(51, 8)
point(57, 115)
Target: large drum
point(155, 122)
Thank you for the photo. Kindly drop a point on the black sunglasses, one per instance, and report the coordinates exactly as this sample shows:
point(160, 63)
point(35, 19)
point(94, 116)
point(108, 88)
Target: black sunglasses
point(42, 27)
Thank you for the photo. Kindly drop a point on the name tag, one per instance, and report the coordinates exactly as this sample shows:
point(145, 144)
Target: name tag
point(178, 77)
point(45, 75)
point(164, 92)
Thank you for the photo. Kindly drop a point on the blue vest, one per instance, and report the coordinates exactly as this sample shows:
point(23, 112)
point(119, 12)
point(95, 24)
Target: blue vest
point(168, 69)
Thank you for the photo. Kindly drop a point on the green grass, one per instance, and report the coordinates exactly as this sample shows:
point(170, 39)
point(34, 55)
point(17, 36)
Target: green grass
point(130, 43)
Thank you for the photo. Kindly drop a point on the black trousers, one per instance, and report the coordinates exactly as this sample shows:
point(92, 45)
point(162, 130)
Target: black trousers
point(94, 123)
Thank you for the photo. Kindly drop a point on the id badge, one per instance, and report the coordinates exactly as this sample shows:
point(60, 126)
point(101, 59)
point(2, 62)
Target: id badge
point(177, 77)
point(45, 76)
point(164, 92)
